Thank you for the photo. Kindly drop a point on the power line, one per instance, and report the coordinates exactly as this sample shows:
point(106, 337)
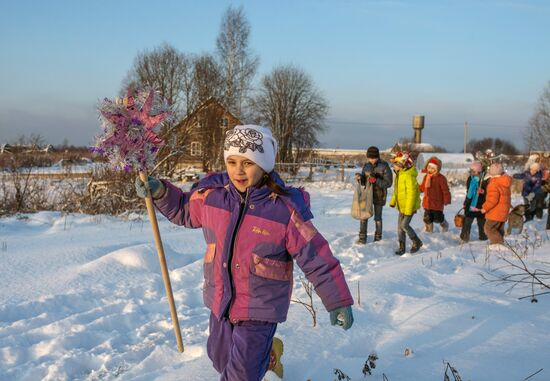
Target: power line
point(374, 124)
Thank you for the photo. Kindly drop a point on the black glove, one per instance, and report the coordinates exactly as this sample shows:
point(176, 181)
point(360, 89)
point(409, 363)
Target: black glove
point(156, 187)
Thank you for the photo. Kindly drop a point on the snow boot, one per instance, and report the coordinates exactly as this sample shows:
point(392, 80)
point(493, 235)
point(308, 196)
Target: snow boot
point(378, 231)
point(417, 244)
point(401, 249)
point(275, 364)
point(444, 226)
point(362, 232)
point(429, 227)
point(464, 237)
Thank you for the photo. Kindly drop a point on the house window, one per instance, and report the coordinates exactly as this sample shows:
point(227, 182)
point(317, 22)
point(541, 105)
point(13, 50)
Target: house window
point(224, 122)
point(196, 149)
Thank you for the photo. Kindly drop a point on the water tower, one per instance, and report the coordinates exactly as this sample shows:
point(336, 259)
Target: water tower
point(418, 126)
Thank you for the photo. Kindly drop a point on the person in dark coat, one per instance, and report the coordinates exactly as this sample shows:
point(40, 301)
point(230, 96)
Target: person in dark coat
point(379, 174)
point(532, 189)
point(476, 188)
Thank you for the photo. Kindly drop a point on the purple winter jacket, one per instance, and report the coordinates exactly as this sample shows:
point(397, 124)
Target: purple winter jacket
point(257, 236)
point(531, 183)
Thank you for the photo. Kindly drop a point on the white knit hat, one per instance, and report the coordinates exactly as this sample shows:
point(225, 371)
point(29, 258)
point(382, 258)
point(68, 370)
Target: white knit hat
point(256, 143)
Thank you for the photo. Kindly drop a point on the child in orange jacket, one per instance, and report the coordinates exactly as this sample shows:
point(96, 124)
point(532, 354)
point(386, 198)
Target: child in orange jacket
point(497, 203)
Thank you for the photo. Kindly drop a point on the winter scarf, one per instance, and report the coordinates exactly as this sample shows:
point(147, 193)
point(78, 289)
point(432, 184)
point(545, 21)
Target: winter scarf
point(428, 183)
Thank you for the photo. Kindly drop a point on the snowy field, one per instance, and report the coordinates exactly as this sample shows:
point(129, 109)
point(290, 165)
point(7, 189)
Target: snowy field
point(82, 298)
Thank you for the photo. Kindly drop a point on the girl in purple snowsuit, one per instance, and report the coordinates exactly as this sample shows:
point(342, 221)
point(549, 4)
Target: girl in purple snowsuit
point(254, 228)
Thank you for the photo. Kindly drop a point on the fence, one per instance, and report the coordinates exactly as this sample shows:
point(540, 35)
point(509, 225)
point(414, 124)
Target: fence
point(315, 171)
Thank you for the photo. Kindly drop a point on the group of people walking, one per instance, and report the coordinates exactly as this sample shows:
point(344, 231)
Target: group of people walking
point(255, 228)
point(405, 197)
point(487, 201)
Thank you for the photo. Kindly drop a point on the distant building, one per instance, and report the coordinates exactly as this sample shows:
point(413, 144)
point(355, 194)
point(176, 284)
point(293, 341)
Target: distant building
point(24, 148)
point(541, 156)
point(449, 161)
point(201, 134)
point(5, 148)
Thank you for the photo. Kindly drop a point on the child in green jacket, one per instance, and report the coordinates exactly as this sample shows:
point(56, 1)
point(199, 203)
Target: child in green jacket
point(406, 197)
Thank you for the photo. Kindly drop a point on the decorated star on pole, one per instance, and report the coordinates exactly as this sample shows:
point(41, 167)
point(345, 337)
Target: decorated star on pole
point(129, 141)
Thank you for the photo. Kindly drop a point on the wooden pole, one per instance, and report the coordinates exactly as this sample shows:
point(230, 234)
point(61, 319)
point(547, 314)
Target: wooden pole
point(163, 267)
point(465, 135)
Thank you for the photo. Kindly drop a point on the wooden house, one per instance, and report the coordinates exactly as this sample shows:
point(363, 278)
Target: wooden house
point(201, 134)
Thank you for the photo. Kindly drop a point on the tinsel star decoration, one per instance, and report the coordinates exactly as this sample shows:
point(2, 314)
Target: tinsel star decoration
point(129, 141)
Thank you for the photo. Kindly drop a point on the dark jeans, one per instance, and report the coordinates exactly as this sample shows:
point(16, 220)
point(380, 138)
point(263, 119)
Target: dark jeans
point(431, 216)
point(534, 207)
point(467, 227)
point(378, 222)
point(539, 209)
point(240, 352)
point(530, 207)
point(404, 227)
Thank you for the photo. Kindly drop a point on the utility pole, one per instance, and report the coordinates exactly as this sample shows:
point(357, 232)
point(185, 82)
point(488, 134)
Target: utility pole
point(465, 135)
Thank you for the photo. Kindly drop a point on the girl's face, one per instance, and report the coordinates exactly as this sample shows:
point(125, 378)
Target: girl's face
point(396, 168)
point(243, 172)
point(431, 170)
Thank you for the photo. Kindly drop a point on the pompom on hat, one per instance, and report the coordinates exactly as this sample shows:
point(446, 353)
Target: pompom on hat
point(256, 143)
point(402, 159)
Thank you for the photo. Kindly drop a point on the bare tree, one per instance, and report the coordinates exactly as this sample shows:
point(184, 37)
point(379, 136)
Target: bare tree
point(537, 134)
point(309, 289)
point(167, 71)
point(207, 79)
point(34, 140)
point(295, 110)
point(238, 63)
point(497, 145)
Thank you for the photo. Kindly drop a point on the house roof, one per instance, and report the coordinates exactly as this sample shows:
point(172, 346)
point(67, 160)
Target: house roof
point(207, 103)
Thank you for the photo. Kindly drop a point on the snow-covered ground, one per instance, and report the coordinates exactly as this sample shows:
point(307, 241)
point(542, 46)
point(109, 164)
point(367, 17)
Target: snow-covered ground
point(82, 298)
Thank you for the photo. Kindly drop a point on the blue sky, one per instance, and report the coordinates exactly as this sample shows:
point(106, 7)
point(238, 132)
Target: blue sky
point(376, 62)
